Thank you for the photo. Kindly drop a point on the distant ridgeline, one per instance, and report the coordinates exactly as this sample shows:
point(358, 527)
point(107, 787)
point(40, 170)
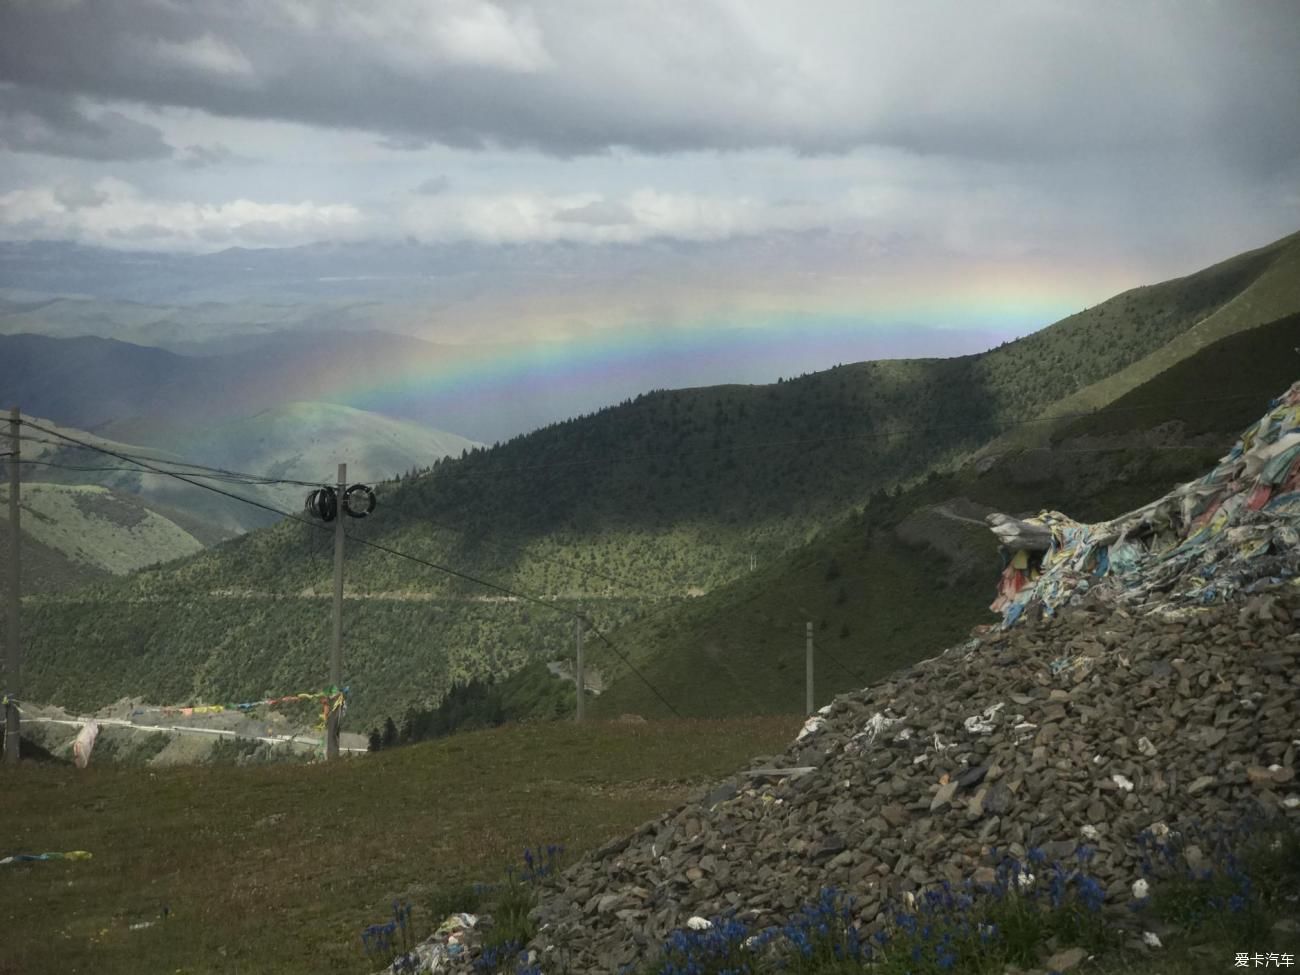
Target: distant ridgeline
point(626, 515)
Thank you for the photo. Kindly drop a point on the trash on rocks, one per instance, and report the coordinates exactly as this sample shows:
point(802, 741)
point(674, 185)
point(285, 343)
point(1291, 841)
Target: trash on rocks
point(454, 923)
point(1141, 889)
point(877, 723)
point(982, 723)
point(1151, 939)
point(810, 727)
point(1122, 782)
point(698, 923)
point(1236, 529)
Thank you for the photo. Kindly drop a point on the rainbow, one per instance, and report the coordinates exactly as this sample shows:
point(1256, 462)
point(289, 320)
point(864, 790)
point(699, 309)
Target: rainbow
point(555, 364)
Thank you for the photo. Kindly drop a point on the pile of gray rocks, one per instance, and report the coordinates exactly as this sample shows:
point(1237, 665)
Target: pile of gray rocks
point(1090, 727)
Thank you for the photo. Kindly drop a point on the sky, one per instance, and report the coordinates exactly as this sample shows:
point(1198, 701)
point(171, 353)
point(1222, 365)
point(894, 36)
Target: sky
point(902, 170)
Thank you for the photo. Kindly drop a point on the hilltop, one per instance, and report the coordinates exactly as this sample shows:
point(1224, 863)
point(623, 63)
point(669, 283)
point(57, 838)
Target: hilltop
point(631, 511)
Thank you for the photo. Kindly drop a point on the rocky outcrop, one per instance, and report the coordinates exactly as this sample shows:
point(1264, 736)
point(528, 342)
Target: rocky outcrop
point(1089, 727)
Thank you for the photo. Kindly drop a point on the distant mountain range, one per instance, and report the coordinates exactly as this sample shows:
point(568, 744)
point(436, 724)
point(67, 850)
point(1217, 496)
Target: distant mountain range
point(118, 389)
point(648, 516)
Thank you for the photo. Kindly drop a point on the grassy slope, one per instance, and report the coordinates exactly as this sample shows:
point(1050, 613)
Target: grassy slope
point(46, 570)
point(98, 528)
point(879, 603)
point(304, 441)
point(277, 868)
point(653, 499)
point(1271, 291)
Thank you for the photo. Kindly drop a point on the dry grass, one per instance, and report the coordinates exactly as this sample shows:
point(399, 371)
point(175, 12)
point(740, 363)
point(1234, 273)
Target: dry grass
point(276, 868)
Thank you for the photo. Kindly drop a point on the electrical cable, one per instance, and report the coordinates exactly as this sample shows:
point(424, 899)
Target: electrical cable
point(394, 552)
point(756, 445)
point(141, 470)
point(215, 473)
point(532, 599)
point(253, 479)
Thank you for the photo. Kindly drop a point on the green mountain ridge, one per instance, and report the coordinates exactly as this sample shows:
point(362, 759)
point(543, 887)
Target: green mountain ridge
point(623, 515)
point(915, 572)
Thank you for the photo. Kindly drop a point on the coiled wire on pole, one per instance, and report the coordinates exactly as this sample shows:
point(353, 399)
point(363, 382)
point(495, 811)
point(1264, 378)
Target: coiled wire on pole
point(323, 503)
point(358, 501)
point(362, 491)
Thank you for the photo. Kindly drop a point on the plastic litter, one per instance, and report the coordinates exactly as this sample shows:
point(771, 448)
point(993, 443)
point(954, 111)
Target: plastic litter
point(810, 727)
point(1141, 889)
point(877, 723)
point(698, 923)
point(1236, 529)
point(982, 723)
point(37, 857)
point(457, 922)
point(85, 743)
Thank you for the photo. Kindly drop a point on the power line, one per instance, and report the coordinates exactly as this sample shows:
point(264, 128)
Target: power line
point(251, 479)
point(391, 551)
point(139, 470)
point(247, 478)
point(216, 472)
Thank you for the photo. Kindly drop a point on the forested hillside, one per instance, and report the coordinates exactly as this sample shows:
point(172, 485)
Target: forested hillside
point(870, 586)
point(618, 515)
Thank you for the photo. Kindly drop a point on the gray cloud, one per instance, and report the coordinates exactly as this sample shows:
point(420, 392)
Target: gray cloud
point(598, 213)
point(78, 196)
point(1029, 81)
point(406, 143)
point(54, 123)
point(201, 156)
point(433, 186)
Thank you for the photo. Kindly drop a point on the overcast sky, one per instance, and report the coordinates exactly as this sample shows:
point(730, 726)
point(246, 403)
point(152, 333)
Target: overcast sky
point(1108, 143)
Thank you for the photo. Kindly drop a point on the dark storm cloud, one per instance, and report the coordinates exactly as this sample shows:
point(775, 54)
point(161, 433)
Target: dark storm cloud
point(1023, 81)
point(53, 123)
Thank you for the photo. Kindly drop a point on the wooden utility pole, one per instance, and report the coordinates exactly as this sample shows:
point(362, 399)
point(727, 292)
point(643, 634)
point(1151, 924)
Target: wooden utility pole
point(808, 671)
point(336, 651)
point(13, 655)
point(579, 675)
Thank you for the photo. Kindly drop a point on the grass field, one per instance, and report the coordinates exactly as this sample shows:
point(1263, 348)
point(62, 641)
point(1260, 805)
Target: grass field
point(277, 868)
